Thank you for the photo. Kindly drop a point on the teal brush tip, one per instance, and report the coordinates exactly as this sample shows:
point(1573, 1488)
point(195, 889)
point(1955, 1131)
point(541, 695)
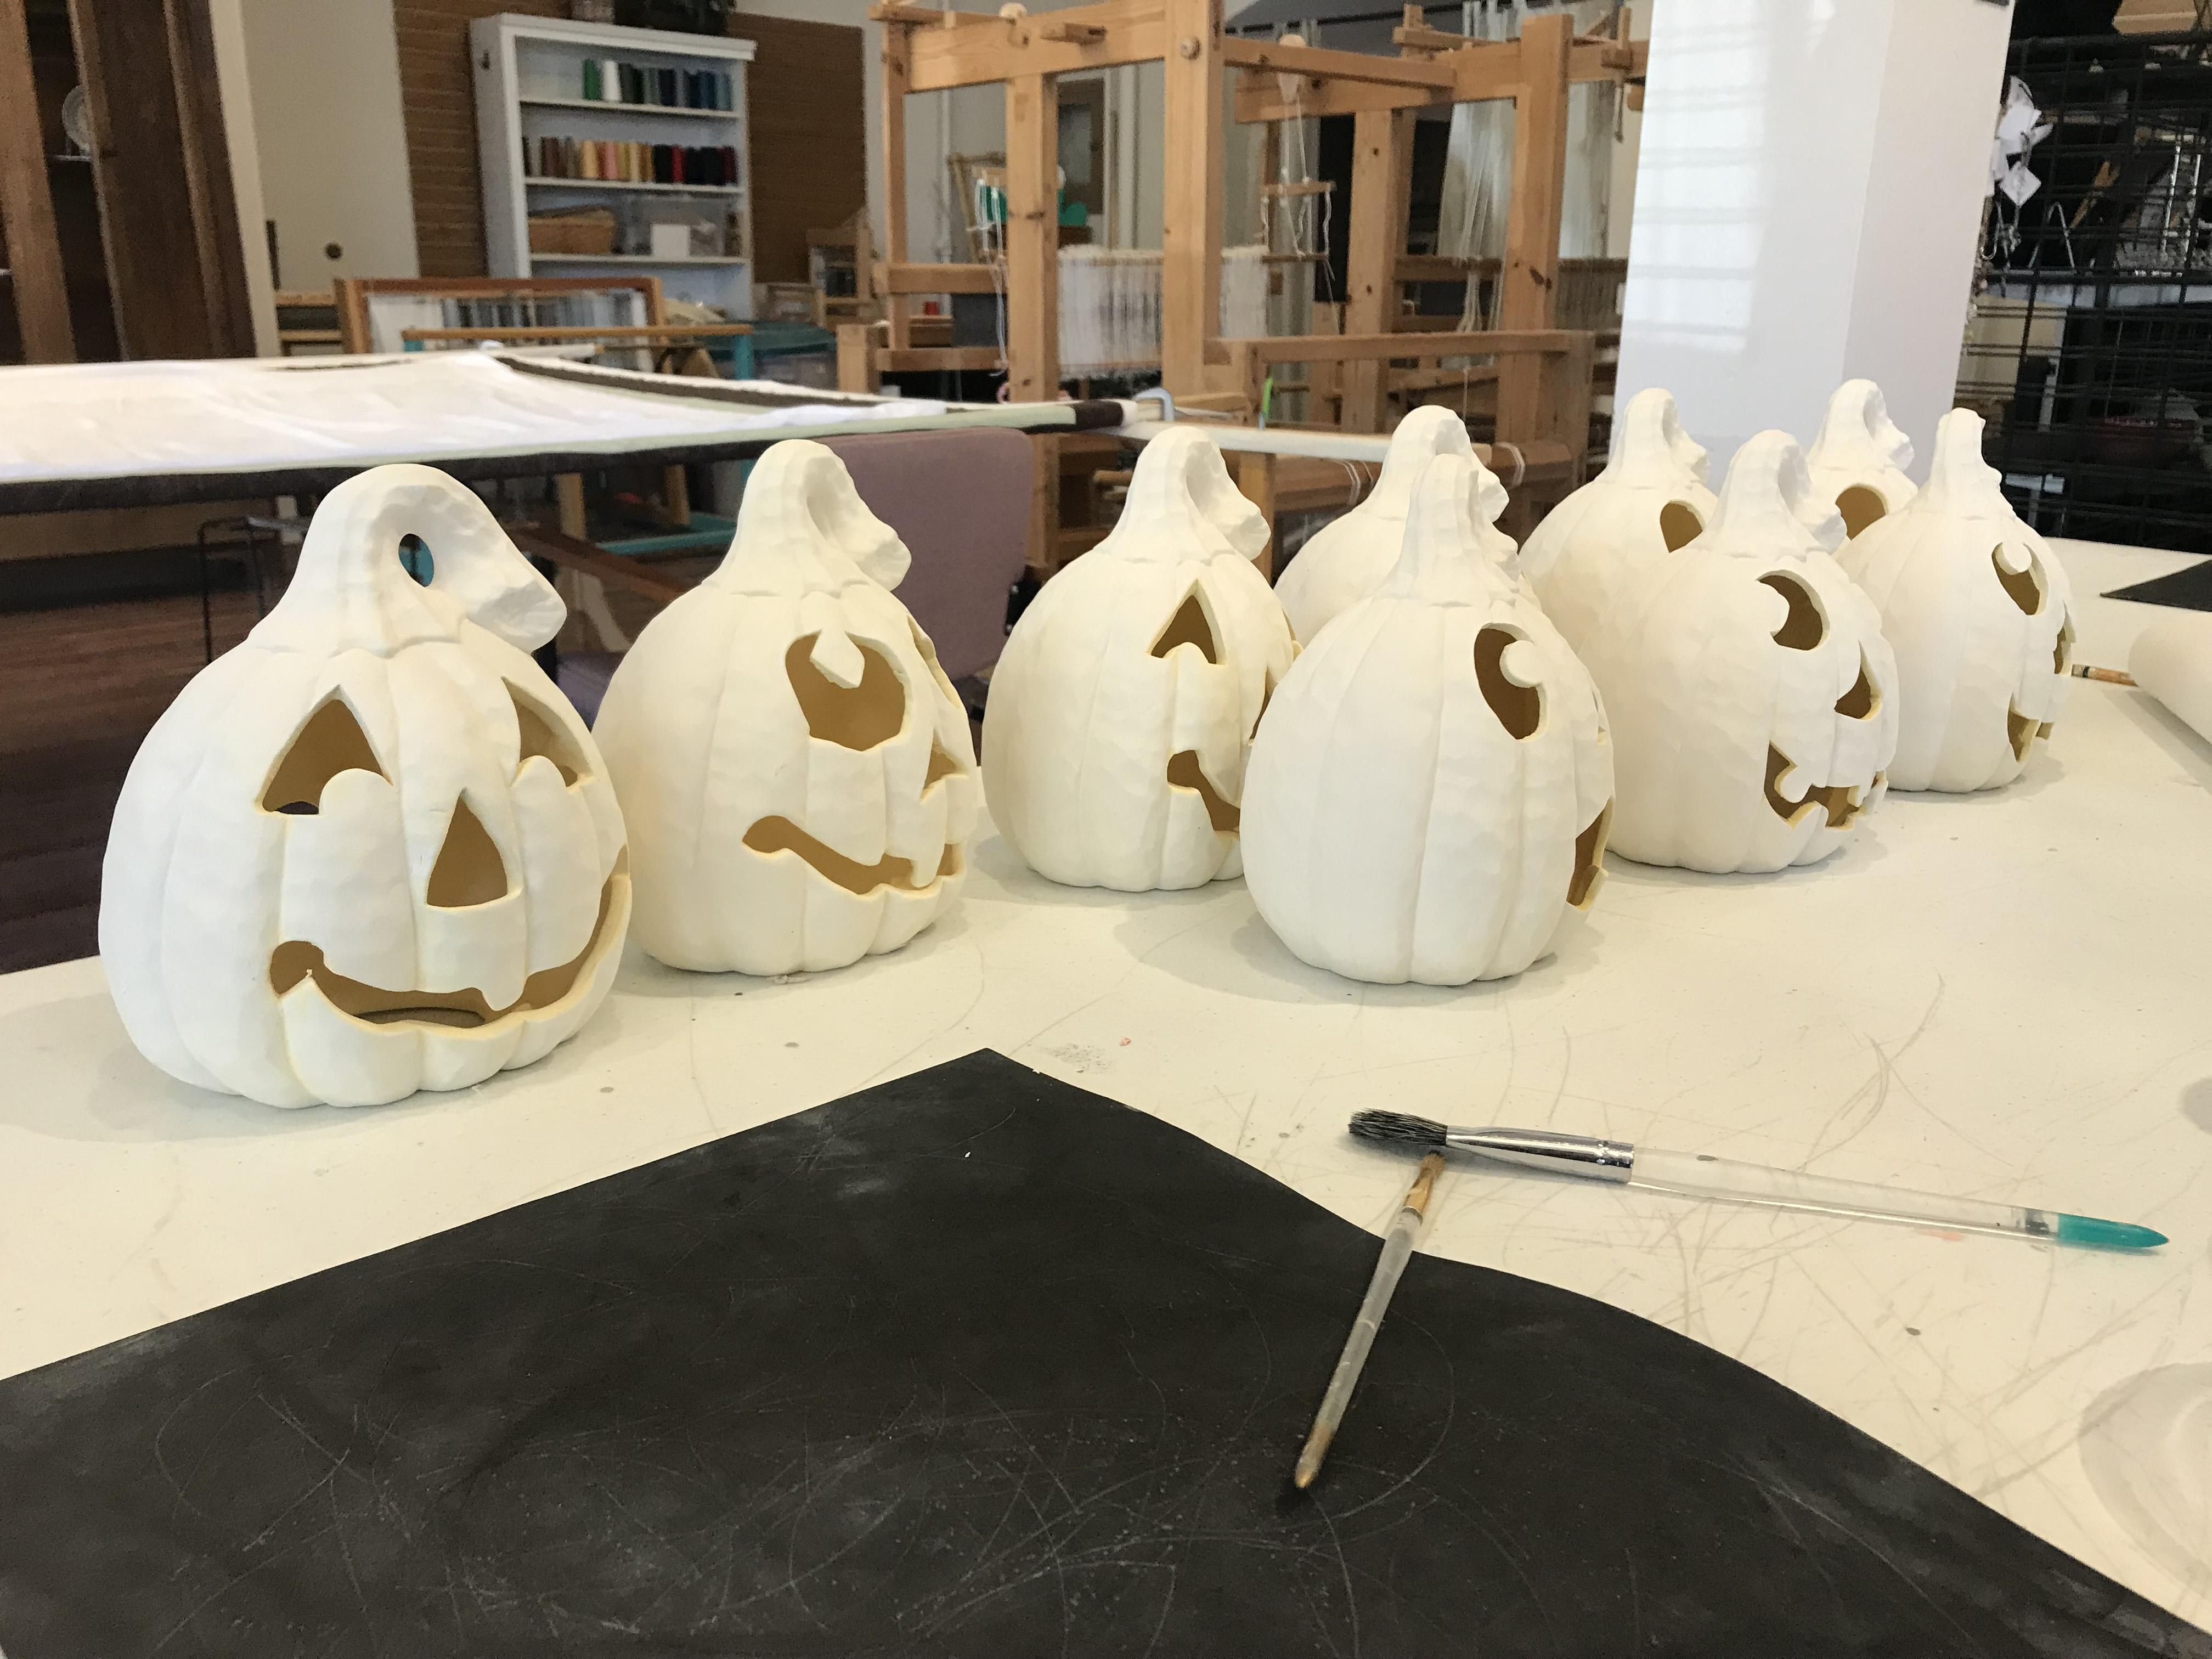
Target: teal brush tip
point(2106, 1234)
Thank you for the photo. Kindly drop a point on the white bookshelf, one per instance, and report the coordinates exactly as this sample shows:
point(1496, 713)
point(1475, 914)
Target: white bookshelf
point(529, 85)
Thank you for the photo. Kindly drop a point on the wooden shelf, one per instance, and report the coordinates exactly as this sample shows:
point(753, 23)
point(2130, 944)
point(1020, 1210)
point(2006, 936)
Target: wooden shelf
point(538, 181)
point(631, 260)
point(605, 107)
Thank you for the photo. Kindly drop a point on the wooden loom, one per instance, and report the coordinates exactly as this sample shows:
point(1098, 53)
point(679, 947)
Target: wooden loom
point(1542, 374)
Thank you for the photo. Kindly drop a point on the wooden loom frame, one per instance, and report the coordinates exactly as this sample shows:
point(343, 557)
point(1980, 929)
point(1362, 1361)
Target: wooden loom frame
point(1542, 374)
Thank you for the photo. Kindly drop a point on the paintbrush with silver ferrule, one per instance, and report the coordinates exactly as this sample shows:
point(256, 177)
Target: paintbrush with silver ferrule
point(1693, 1175)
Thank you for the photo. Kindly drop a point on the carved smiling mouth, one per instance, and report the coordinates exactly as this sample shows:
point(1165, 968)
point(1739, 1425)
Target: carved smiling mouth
point(297, 959)
point(2022, 730)
point(1840, 801)
point(782, 835)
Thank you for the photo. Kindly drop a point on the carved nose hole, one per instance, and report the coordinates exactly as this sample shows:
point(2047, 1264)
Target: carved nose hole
point(330, 741)
point(1862, 699)
point(469, 870)
point(1861, 506)
point(1804, 627)
point(1679, 525)
point(856, 717)
point(416, 560)
point(1188, 626)
point(1519, 708)
point(2025, 586)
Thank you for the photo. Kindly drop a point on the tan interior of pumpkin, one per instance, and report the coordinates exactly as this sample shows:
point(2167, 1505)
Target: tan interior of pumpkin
point(781, 835)
point(1188, 626)
point(2021, 731)
point(1804, 627)
point(542, 734)
point(1860, 702)
point(1519, 708)
point(2024, 586)
point(1679, 525)
point(469, 870)
point(329, 741)
point(1839, 801)
point(297, 959)
point(1590, 859)
point(1861, 506)
point(852, 717)
point(1185, 773)
point(2062, 653)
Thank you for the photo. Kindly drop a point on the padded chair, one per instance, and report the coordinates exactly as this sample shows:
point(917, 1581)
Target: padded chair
point(960, 502)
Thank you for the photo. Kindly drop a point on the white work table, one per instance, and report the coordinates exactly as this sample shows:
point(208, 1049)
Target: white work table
point(2007, 995)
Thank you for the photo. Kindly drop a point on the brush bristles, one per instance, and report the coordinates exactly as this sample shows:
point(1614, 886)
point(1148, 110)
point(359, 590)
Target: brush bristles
point(1399, 1126)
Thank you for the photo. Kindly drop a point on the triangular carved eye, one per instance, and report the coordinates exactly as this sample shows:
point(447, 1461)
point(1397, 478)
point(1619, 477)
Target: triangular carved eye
point(1188, 626)
point(329, 741)
point(542, 734)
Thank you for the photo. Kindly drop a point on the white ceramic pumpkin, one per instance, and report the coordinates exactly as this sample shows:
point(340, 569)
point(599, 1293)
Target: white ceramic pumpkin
point(1857, 463)
point(1429, 794)
point(1753, 699)
point(2171, 659)
point(372, 849)
point(1978, 609)
point(1651, 500)
point(1122, 710)
point(1347, 559)
point(795, 768)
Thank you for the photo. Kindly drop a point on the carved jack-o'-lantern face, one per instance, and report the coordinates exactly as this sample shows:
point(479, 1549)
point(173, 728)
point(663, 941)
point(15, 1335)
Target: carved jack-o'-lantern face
point(1753, 694)
point(1978, 607)
point(1650, 500)
point(1857, 463)
point(1122, 711)
point(795, 766)
point(1430, 790)
point(372, 850)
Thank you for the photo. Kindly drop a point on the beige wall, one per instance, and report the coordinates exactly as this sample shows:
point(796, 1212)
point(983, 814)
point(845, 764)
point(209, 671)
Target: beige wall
point(331, 141)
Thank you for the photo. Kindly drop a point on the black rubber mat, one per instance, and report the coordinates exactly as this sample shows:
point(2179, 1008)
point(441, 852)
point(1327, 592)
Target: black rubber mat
point(972, 1364)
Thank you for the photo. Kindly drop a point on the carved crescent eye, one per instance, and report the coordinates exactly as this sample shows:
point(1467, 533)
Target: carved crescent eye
point(1804, 627)
point(1519, 708)
point(2024, 586)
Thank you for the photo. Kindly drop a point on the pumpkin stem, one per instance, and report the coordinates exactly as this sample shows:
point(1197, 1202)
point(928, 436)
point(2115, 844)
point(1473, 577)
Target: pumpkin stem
point(1182, 502)
point(1959, 479)
point(1857, 426)
point(1768, 506)
point(1445, 558)
point(1648, 444)
point(803, 525)
point(350, 588)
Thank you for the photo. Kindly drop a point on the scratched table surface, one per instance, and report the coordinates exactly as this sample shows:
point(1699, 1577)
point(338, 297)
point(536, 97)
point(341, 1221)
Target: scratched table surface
point(2003, 996)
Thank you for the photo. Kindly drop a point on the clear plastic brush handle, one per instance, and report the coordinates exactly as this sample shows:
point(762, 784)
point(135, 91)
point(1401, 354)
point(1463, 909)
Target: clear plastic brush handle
point(1698, 1176)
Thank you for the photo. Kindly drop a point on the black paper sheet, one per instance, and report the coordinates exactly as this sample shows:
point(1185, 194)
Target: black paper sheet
point(971, 1364)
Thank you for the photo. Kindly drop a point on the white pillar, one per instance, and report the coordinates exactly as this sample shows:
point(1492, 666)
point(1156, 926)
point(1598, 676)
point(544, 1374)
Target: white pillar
point(1806, 204)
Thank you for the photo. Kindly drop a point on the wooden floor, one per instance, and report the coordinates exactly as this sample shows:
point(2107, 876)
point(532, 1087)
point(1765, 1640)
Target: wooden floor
point(79, 689)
